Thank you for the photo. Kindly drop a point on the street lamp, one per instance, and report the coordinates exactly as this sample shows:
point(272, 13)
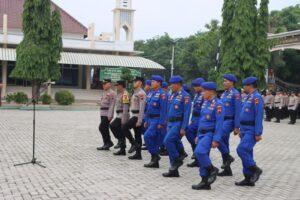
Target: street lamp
point(173, 56)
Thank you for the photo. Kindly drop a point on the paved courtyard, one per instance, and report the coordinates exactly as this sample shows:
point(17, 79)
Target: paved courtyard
point(66, 144)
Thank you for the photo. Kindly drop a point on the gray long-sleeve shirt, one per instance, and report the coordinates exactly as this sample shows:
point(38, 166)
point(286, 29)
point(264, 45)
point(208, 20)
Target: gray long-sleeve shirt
point(107, 103)
point(122, 106)
point(138, 103)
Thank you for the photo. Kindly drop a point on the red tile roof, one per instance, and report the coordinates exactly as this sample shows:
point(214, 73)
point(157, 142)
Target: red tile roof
point(14, 9)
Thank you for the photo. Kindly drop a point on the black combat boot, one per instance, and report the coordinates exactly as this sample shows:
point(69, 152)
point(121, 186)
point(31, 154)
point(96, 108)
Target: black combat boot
point(154, 163)
point(203, 185)
point(245, 182)
point(183, 154)
point(121, 152)
point(177, 163)
point(163, 151)
point(117, 145)
point(137, 155)
point(212, 174)
point(132, 148)
point(193, 164)
point(226, 172)
point(144, 147)
point(171, 173)
point(256, 173)
point(103, 148)
point(227, 161)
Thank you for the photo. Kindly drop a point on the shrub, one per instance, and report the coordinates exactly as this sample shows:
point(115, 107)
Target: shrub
point(20, 98)
point(46, 99)
point(64, 97)
point(10, 97)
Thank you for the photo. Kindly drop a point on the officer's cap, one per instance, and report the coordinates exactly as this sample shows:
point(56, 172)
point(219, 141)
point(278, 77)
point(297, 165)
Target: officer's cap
point(198, 82)
point(122, 83)
point(157, 78)
point(230, 77)
point(137, 78)
point(250, 80)
point(106, 81)
point(186, 88)
point(209, 86)
point(148, 82)
point(176, 79)
point(164, 85)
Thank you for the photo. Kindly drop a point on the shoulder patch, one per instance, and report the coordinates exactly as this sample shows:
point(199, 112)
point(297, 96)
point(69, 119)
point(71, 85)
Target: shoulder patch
point(256, 101)
point(125, 98)
point(186, 99)
point(237, 97)
point(141, 96)
point(219, 109)
point(163, 96)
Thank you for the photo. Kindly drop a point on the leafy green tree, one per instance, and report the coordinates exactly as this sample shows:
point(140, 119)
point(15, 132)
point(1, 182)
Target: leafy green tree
point(128, 77)
point(39, 52)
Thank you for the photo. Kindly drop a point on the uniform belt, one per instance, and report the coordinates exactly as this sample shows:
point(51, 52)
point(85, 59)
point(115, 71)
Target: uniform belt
point(268, 103)
point(248, 123)
point(291, 106)
point(207, 131)
point(152, 116)
point(135, 111)
point(175, 119)
point(196, 114)
point(277, 102)
point(119, 111)
point(228, 118)
point(104, 109)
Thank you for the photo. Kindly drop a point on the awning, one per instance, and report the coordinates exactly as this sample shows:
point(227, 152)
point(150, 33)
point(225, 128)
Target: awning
point(89, 59)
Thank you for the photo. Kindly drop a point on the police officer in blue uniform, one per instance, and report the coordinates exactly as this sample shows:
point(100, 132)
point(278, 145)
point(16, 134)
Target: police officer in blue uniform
point(209, 135)
point(191, 132)
point(163, 149)
point(231, 99)
point(178, 118)
point(155, 120)
point(251, 129)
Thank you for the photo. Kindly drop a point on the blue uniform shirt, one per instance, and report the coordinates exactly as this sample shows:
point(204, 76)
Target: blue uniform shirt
point(157, 105)
point(180, 107)
point(253, 112)
point(198, 101)
point(212, 117)
point(232, 102)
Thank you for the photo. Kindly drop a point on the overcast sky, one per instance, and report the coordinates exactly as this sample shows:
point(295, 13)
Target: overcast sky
point(179, 18)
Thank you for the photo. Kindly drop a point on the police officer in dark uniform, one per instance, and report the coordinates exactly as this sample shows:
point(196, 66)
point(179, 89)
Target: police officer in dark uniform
point(251, 129)
point(209, 135)
point(179, 109)
point(107, 105)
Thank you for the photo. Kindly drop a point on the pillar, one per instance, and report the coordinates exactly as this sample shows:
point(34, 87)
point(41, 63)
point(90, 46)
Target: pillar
point(4, 78)
point(88, 77)
point(80, 77)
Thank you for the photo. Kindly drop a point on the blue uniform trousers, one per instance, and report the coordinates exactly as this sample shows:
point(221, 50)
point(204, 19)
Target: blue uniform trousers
point(245, 151)
point(163, 133)
point(152, 136)
point(173, 141)
point(228, 127)
point(202, 152)
point(191, 131)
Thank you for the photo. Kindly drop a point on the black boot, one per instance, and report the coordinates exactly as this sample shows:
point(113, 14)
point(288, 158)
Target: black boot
point(103, 148)
point(226, 172)
point(245, 182)
point(212, 174)
point(117, 145)
point(256, 173)
point(193, 164)
point(227, 161)
point(132, 148)
point(154, 163)
point(203, 185)
point(137, 155)
point(171, 173)
point(144, 147)
point(177, 163)
point(121, 152)
point(163, 151)
point(183, 154)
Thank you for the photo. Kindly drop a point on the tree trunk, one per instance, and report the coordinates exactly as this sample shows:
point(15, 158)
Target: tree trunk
point(36, 91)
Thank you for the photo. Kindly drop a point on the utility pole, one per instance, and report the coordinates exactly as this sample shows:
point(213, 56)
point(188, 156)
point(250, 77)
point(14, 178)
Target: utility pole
point(173, 56)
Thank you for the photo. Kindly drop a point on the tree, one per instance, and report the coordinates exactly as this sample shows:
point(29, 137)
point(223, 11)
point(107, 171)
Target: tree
point(128, 77)
point(262, 58)
point(39, 52)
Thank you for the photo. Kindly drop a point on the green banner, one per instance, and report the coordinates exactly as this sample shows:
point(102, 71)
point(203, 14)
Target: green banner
point(115, 73)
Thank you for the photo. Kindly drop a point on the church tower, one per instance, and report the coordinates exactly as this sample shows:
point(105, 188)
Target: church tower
point(124, 19)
